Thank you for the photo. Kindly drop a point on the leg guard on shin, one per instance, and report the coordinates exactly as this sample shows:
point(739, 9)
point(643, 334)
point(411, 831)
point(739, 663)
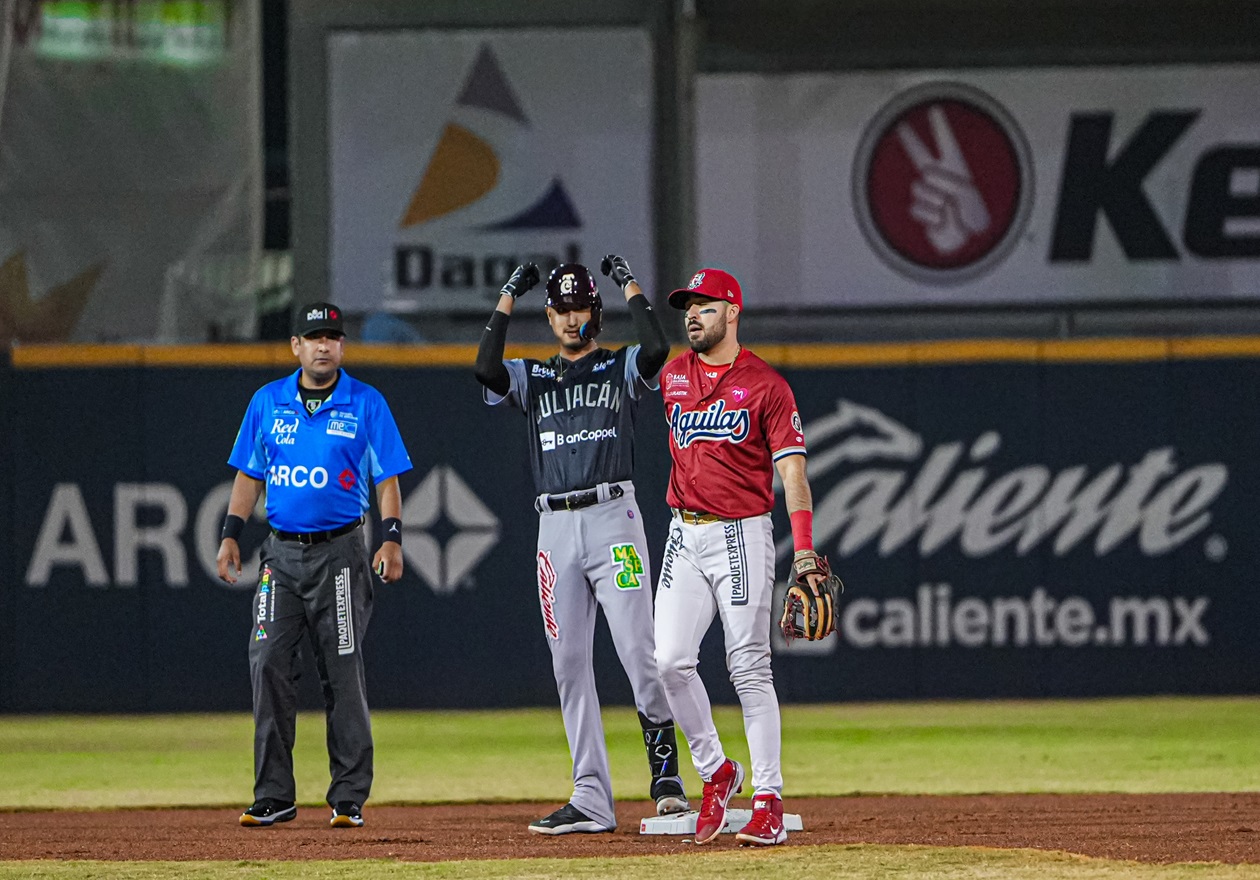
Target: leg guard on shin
point(662, 753)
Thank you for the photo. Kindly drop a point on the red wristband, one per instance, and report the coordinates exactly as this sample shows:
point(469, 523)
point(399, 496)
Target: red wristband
point(802, 529)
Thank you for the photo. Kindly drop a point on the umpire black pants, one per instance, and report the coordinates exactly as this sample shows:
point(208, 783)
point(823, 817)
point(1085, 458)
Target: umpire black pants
point(324, 590)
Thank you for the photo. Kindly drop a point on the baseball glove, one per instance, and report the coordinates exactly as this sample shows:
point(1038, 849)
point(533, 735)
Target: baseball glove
point(809, 611)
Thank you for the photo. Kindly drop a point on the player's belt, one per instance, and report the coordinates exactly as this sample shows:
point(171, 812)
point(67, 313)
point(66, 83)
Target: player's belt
point(318, 537)
point(578, 498)
point(696, 517)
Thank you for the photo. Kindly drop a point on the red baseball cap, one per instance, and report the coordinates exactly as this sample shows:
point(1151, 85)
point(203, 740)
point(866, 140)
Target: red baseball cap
point(713, 283)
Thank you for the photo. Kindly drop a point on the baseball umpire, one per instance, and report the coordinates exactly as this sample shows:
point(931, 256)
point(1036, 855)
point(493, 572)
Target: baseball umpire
point(314, 438)
point(580, 405)
point(732, 421)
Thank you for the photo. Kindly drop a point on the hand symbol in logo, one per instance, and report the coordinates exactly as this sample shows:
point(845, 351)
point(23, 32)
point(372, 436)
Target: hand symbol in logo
point(946, 200)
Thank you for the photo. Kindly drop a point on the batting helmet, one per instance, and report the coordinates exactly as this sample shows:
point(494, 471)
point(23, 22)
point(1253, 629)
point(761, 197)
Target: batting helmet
point(571, 287)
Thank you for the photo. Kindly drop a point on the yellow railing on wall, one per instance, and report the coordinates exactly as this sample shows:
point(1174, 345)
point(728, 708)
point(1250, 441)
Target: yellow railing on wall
point(784, 354)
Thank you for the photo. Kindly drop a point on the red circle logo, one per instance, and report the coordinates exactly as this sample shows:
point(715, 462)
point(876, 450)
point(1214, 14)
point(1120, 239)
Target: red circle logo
point(943, 183)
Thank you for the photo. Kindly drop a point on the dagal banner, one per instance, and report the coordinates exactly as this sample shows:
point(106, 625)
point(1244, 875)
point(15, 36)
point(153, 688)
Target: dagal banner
point(456, 155)
point(990, 187)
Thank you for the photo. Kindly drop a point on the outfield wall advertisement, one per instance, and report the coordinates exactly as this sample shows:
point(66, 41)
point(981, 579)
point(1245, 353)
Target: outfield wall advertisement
point(1039, 186)
point(1021, 527)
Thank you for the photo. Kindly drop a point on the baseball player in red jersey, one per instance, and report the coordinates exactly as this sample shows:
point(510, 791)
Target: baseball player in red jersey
point(732, 421)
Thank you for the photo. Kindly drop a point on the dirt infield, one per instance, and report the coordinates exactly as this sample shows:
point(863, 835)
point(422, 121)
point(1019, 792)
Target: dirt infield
point(1150, 828)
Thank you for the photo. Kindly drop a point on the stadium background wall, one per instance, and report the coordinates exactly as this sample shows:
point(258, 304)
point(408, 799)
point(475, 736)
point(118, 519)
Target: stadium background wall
point(1014, 519)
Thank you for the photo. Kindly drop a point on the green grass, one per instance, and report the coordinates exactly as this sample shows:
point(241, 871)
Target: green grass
point(1121, 745)
point(790, 863)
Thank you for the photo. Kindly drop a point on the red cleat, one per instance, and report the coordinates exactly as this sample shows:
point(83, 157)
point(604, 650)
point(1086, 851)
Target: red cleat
point(766, 826)
point(718, 791)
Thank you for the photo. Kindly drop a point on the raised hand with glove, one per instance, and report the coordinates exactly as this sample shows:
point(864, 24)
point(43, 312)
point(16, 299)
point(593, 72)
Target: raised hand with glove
point(653, 346)
point(490, 371)
point(522, 280)
point(618, 270)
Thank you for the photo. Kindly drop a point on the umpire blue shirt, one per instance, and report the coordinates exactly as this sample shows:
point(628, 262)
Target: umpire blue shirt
point(316, 467)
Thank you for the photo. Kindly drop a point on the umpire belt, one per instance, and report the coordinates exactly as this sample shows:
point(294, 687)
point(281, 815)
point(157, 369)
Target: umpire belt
point(318, 537)
point(578, 498)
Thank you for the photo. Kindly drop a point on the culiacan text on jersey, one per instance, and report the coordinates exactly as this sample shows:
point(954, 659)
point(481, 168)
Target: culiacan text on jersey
point(560, 400)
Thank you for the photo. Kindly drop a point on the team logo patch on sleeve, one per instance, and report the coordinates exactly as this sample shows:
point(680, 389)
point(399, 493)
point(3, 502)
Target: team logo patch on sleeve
point(629, 577)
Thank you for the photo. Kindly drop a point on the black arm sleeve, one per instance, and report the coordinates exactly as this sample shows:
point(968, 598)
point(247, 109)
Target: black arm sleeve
point(490, 370)
point(653, 346)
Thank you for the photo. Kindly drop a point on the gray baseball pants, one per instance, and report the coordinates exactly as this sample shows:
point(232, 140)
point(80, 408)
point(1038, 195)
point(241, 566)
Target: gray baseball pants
point(597, 554)
point(324, 590)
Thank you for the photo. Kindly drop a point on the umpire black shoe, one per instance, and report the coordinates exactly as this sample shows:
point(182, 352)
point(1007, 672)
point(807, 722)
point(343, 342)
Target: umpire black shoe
point(567, 820)
point(268, 811)
point(346, 814)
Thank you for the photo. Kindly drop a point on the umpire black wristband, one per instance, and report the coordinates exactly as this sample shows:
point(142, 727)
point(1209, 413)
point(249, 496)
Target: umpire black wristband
point(232, 526)
point(391, 528)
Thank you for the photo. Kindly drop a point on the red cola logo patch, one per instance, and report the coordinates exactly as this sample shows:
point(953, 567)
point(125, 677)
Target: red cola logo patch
point(942, 183)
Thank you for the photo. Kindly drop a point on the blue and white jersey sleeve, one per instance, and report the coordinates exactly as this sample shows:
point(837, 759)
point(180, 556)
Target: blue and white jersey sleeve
point(249, 453)
point(636, 381)
point(518, 390)
point(386, 453)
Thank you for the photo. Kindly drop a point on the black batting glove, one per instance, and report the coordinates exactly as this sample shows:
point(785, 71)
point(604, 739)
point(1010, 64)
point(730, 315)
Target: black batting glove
point(524, 277)
point(616, 268)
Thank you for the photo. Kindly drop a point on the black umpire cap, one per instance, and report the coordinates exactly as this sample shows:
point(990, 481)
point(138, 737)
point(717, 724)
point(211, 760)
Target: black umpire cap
point(317, 316)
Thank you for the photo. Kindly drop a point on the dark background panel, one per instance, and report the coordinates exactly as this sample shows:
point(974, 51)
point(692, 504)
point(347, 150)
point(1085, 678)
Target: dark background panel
point(1217, 423)
point(77, 646)
point(1106, 420)
point(8, 579)
point(994, 420)
point(769, 35)
point(165, 646)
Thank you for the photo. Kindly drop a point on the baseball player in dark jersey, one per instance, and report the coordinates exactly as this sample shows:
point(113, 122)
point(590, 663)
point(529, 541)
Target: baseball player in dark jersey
point(580, 405)
point(315, 439)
